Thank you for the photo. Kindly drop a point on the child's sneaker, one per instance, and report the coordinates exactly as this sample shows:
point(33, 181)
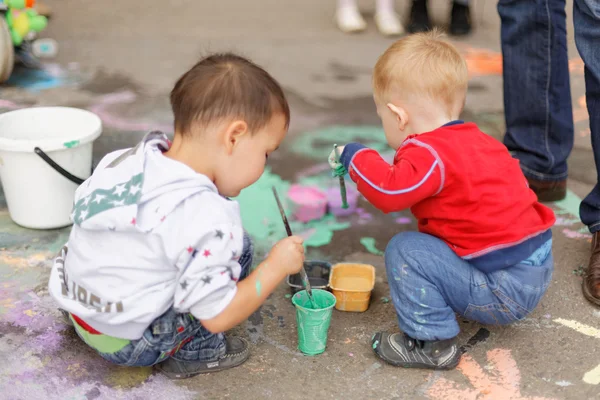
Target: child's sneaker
point(349, 20)
point(419, 17)
point(403, 351)
point(66, 317)
point(235, 354)
point(460, 20)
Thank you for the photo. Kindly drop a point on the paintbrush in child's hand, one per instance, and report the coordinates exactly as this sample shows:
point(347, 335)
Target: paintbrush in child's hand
point(342, 181)
point(303, 274)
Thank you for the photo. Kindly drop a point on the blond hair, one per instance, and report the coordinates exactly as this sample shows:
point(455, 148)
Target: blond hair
point(423, 64)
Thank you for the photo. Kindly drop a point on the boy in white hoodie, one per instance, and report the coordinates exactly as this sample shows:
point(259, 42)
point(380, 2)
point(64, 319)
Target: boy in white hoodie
point(157, 264)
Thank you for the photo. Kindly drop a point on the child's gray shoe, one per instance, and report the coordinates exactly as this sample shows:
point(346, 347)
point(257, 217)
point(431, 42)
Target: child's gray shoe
point(403, 351)
point(236, 353)
point(66, 317)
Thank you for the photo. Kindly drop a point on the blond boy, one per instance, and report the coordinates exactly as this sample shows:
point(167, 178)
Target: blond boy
point(483, 249)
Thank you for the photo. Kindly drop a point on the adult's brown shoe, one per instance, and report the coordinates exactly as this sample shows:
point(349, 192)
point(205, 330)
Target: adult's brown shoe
point(548, 191)
point(591, 280)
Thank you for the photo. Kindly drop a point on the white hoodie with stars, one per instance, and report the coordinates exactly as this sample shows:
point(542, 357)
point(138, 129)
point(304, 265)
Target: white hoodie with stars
point(149, 234)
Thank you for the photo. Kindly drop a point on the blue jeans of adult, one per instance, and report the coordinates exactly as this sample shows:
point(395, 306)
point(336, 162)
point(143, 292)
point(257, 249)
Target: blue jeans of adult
point(429, 283)
point(537, 96)
point(180, 336)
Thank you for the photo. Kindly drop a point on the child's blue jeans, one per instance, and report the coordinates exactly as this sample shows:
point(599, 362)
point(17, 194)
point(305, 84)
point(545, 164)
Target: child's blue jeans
point(180, 336)
point(429, 283)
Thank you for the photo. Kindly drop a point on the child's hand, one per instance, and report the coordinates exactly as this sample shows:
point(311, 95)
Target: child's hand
point(288, 254)
point(334, 157)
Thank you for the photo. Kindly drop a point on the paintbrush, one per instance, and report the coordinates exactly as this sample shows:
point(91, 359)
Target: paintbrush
point(342, 181)
point(303, 274)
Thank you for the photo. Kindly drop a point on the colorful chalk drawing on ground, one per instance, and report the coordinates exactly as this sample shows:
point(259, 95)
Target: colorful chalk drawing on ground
point(591, 377)
point(36, 346)
point(260, 215)
point(567, 215)
point(569, 205)
point(105, 106)
point(370, 246)
point(262, 220)
point(317, 144)
point(501, 381)
point(48, 77)
point(34, 341)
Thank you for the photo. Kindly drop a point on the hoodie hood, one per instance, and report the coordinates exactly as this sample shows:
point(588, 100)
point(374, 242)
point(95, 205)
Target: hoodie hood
point(127, 179)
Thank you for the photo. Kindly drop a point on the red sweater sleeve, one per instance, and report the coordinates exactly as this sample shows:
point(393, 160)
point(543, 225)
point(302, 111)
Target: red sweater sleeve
point(417, 173)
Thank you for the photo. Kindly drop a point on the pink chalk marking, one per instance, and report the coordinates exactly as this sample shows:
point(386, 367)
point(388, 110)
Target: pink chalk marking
point(124, 97)
point(560, 221)
point(309, 202)
point(576, 235)
point(334, 200)
point(504, 383)
point(364, 217)
point(9, 105)
point(307, 234)
point(403, 220)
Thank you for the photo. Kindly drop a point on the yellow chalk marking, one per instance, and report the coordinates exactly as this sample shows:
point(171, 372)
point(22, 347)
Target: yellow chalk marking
point(579, 327)
point(592, 377)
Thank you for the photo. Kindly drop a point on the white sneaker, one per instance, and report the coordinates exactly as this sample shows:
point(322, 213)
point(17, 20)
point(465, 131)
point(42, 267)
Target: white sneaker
point(349, 20)
point(389, 24)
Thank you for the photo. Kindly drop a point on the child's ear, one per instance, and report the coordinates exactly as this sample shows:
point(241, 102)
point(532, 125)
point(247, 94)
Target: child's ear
point(234, 132)
point(400, 114)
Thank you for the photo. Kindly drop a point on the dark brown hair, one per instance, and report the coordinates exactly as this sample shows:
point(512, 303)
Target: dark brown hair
point(223, 86)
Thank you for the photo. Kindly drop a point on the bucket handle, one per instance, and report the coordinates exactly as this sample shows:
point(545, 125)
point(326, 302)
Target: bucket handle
point(57, 167)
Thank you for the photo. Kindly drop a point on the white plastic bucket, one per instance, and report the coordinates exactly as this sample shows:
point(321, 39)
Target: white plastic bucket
point(37, 195)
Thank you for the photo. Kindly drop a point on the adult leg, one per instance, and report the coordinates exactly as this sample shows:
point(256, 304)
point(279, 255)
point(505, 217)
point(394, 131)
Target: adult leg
point(386, 18)
point(586, 16)
point(419, 17)
point(537, 95)
point(348, 18)
point(460, 18)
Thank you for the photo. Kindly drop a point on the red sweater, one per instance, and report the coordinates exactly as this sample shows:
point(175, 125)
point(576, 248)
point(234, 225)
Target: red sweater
point(464, 187)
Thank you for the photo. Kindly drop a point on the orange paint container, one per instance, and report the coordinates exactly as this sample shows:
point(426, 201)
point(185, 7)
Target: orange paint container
point(352, 284)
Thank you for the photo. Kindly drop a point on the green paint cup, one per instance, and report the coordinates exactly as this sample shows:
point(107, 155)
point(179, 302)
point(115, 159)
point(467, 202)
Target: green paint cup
point(313, 323)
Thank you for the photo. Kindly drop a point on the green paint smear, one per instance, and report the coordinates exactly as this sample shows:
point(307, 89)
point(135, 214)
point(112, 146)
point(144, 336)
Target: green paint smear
point(22, 242)
point(375, 344)
point(369, 244)
point(317, 144)
point(258, 287)
point(261, 218)
point(288, 296)
point(71, 144)
point(570, 204)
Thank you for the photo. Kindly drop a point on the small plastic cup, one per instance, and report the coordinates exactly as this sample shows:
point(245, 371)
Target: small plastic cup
point(313, 324)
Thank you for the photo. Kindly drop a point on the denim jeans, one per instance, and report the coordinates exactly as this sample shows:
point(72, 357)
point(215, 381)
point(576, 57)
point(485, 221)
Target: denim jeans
point(180, 336)
point(537, 95)
point(429, 283)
